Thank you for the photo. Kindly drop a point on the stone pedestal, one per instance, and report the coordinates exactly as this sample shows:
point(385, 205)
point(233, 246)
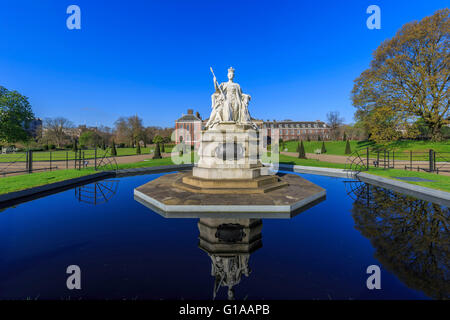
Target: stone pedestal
point(229, 151)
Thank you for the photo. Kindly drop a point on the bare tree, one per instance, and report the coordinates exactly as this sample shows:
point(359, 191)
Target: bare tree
point(56, 130)
point(334, 121)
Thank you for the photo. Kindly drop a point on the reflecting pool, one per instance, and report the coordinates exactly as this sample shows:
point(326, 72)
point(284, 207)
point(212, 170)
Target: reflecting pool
point(126, 251)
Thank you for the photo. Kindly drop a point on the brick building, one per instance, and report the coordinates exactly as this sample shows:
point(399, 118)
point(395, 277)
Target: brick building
point(298, 130)
point(188, 128)
point(288, 129)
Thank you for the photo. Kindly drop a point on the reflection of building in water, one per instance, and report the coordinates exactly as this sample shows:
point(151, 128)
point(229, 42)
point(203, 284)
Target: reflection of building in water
point(411, 237)
point(98, 192)
point(229, 243)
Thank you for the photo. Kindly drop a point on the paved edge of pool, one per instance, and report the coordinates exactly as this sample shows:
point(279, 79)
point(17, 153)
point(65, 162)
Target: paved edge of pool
point(423, 193)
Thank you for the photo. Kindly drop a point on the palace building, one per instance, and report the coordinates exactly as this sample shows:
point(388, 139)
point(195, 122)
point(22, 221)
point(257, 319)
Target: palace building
point(288, 129)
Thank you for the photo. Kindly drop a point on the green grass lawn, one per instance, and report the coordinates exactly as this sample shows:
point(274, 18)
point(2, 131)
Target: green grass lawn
point(62, 155)
point(26, 181)
point(401, 149)
point(149, 163)
point(439, 182)
point(333, 147)
point(309, 162)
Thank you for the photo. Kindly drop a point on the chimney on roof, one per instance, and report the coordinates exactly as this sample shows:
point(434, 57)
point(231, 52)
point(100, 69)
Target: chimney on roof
point(190, 111)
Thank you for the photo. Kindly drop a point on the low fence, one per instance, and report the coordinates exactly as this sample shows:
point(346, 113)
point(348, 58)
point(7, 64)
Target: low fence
point(428, 161)
point(30, 161)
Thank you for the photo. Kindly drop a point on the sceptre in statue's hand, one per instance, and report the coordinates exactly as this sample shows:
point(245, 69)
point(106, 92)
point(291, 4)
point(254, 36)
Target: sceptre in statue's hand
point(216, 84)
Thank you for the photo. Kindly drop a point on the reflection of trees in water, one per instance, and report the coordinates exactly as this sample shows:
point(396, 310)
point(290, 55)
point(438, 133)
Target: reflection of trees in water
point(98, 192)
point(411, 237)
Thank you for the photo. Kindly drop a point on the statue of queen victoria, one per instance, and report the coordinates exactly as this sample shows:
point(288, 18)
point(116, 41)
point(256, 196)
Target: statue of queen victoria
point(228, 103)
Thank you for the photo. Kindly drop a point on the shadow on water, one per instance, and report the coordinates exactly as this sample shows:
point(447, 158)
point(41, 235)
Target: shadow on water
point(411, 237)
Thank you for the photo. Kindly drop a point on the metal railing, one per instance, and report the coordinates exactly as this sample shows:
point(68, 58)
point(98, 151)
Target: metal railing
point(36, 161)
point(427, 161)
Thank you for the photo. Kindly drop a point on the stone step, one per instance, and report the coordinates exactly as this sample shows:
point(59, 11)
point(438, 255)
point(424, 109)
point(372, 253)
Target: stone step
point(225, 184)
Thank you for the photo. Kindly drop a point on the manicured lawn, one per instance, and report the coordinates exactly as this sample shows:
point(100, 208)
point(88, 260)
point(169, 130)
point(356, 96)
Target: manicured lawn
point(309, 162)
point(26, 181)
point(61, 155)
point(439, 182)
point(401, 149)
point(149, 163)
point(333, 147)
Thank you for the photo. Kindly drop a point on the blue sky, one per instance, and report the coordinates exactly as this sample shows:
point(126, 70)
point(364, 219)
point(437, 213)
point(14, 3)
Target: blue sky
point(297, 59)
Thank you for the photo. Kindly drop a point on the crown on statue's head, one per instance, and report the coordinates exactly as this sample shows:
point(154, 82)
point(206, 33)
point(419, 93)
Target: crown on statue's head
point(230, 69)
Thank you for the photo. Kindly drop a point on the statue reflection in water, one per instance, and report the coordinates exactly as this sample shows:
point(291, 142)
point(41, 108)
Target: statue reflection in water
point(229, 243)
point(411, 237)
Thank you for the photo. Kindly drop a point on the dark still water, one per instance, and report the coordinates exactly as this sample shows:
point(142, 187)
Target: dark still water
point(126, 251)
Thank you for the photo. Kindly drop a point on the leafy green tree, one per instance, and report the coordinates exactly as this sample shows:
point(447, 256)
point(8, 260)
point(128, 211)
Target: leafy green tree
point(301, 151)
point(15, 116)
point(89, 139)
point(409, 78)
point(348, 150)
point(323, 150)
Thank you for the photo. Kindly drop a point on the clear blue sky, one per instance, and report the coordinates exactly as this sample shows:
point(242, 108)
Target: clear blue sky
point(297, 59)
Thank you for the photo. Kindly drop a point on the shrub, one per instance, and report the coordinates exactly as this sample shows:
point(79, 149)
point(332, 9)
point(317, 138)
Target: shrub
point(323, 150)
point(138, 148)
point(74, 147)
point(301, 151)
point(113, 149)
point(157, 154)
point(348, 150)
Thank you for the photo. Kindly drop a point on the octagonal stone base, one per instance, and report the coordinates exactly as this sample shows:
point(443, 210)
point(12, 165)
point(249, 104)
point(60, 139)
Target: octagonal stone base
point(163, 195)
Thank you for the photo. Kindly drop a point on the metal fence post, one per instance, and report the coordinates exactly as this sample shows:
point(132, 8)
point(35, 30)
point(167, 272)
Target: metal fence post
point(393, 159)
point(430, 160)
point(50, 161)
point(84, 165)
point(367, 158)
point(67, 160)
point(410, 160)
point(30, 161)
point(95, 161)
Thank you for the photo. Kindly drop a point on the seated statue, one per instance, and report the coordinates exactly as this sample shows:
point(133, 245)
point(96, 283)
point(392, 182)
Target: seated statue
point(229, 104)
